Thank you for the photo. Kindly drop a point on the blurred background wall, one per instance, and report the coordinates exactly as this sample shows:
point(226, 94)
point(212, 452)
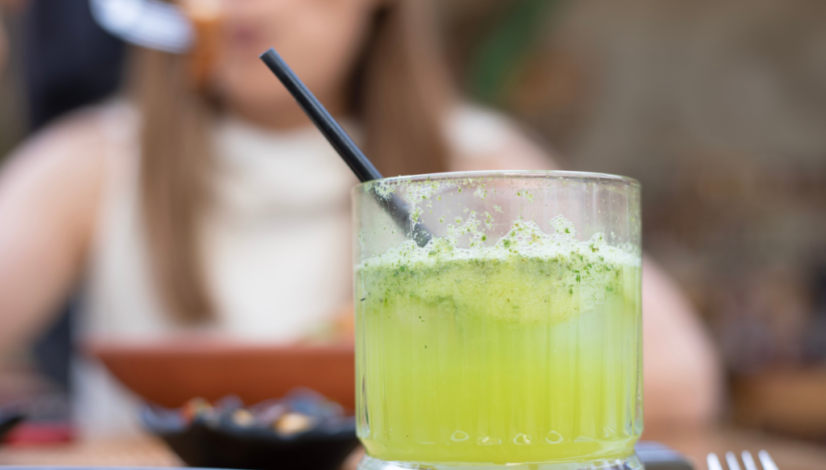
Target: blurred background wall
point(13, 119)
point(718, 107)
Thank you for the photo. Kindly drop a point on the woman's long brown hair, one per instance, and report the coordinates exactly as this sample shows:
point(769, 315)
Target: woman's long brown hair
point(399, 92)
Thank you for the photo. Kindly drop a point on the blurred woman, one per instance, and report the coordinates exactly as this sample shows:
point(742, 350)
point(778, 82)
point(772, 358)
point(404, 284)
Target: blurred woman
point(206, 202)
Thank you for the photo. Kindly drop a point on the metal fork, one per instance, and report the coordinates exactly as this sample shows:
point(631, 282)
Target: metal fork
point(748, 462)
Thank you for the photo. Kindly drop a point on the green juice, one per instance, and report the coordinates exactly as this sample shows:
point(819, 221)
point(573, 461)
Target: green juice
point(526, 351)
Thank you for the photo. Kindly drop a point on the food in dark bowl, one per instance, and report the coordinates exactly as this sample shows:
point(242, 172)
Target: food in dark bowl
point(301, 431)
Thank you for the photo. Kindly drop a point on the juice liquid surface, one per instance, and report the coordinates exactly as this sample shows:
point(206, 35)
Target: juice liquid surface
point(517, 353)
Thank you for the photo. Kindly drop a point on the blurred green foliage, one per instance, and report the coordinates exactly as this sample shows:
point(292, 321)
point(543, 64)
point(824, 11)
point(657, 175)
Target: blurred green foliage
point(506, 48)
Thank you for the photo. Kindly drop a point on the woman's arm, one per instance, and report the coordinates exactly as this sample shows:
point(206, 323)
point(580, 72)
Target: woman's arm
point(681, 370)
point(49, 192)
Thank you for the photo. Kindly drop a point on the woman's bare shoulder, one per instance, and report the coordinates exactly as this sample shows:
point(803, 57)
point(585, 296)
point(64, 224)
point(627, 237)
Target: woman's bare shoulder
point(79, 136)
point(74, 147)
point(56, 176)
point(482, 139)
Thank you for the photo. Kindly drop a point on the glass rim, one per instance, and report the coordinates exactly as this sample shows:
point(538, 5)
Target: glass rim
point(519, 174)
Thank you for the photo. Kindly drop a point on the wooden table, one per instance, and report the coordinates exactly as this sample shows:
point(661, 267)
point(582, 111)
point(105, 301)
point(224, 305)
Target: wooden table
point(789, 455)
point(140, 452)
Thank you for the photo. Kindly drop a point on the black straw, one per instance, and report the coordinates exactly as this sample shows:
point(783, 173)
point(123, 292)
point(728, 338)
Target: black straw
point(344, 145)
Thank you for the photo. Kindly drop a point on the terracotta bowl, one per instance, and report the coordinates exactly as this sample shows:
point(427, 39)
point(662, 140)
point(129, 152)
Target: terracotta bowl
point(171, 372)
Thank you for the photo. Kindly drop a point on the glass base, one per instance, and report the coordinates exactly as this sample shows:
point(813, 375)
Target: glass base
point(629, 463)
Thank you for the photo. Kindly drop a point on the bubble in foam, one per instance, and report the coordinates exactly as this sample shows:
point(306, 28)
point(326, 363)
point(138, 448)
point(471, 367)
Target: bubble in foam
point(563, 226)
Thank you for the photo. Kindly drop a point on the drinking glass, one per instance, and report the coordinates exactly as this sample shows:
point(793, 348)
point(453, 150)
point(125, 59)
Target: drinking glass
point(498, 323)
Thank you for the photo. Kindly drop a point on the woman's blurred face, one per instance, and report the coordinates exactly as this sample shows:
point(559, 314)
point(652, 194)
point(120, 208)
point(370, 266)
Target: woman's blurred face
point(319, 39)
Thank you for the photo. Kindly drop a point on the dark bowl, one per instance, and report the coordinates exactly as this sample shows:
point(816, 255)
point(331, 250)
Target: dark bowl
point(222, 443)
point(8, 420)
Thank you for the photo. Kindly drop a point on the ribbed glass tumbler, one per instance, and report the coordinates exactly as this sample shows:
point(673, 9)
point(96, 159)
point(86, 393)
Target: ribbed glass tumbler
point(498, 325)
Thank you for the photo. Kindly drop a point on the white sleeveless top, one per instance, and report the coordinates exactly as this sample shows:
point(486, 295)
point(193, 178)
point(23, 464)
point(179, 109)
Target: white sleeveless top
point(276, 245)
